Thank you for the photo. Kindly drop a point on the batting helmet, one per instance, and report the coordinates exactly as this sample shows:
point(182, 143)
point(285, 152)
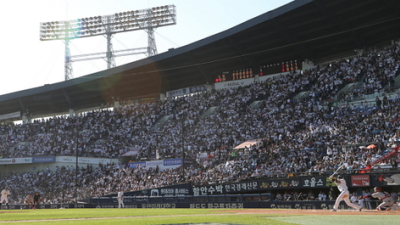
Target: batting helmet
point(339, 176)
point(377, 189)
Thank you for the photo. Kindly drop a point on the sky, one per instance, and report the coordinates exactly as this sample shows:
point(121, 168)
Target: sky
point(26, 62)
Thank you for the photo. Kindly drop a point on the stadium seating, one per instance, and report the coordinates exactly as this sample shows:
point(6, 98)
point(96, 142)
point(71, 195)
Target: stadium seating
point(298, 118)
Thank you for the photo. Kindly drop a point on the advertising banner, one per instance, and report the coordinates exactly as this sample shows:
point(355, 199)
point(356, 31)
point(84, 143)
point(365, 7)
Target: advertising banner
point(233, 83)
point(167, 191)
point(135, 165)
point(316, 182)
point(172, 162)
point(360, 181)
point(179, 92)
point(95, 161)
point(86, 160)
point(225, 188)
point(280, 183)
point(185, 91)
point(161, 164)
point(264, 184)
point(15, 160)
point(44, 159)
point(204, 202)
point(10, 115)
point(154, 164)
point(198, 88)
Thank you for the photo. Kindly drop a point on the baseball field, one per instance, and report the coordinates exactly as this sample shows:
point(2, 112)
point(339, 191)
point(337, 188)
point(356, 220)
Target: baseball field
point(197, 216)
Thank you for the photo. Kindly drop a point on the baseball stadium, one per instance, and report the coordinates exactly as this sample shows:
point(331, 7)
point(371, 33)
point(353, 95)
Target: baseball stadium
point(290, 117)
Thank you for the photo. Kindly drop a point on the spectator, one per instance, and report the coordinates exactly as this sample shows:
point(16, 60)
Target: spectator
point(297, 135)
point(322, 196)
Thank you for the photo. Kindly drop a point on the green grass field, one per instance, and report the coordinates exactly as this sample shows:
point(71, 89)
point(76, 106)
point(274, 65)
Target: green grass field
point(182, 216)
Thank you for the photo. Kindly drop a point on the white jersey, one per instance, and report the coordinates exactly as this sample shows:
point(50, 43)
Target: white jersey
point(384, 196)
point(341, 184)
point(5, 193)
point(120, 194)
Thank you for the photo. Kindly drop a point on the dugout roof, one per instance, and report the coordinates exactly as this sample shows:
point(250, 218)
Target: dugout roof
point(303, 29)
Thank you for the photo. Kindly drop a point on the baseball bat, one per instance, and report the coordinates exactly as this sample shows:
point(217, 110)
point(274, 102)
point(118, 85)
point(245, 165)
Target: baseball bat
point(337, 170)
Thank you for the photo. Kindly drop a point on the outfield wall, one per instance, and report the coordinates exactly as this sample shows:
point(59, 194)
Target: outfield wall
point(305, 184)
point(214, 202)
point(47, 206)
point(255, 193)
point(252, 193)
point(203, 202)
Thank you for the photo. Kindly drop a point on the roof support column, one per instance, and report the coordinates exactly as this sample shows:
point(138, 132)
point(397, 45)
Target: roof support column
point(116, 104)
point(26, 119)
point(71, 112)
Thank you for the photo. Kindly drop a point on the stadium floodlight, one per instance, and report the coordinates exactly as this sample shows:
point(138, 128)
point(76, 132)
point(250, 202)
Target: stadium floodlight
point(145, 19)
point(111, 24)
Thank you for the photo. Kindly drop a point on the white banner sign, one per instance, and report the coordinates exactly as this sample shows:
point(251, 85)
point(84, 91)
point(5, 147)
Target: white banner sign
point(86, 160)
point(10, 115)
point(233, 83)
point(183, 91)
point(161, 164)
point(15, 160)
point(154, 164)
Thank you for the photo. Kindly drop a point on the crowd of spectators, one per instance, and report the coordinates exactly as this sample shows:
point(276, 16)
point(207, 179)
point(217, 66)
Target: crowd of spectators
point(304, 135)
point(57, 186)
point(377, 71)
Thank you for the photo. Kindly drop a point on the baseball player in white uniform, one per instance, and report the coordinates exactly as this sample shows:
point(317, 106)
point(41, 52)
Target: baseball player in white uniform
point(344, 193)
point(386, 198)
point(4, 196)
point(120, 199)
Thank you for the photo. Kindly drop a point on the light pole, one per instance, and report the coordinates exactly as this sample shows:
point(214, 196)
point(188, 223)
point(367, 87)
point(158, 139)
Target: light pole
point(158, 156)
point(157, 147)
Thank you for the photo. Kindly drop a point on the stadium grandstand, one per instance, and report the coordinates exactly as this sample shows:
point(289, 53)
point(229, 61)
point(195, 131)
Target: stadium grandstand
point(296, 92)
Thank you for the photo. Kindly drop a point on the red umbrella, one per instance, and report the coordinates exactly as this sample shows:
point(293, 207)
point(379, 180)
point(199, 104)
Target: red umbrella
point(371, 146)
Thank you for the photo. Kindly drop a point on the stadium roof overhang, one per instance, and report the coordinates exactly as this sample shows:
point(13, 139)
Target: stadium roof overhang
point(304, 29)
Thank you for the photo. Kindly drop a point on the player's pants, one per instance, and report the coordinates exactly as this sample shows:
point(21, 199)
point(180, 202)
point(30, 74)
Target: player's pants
point(3, 199)
point(383, 205)
point(121, 203)
point(344, 195)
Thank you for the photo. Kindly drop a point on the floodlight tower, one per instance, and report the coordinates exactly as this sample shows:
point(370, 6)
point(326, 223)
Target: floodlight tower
point(67, 58)
point(145, 19)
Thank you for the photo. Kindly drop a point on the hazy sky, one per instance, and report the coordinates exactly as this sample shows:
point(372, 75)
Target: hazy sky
point(27, 62)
